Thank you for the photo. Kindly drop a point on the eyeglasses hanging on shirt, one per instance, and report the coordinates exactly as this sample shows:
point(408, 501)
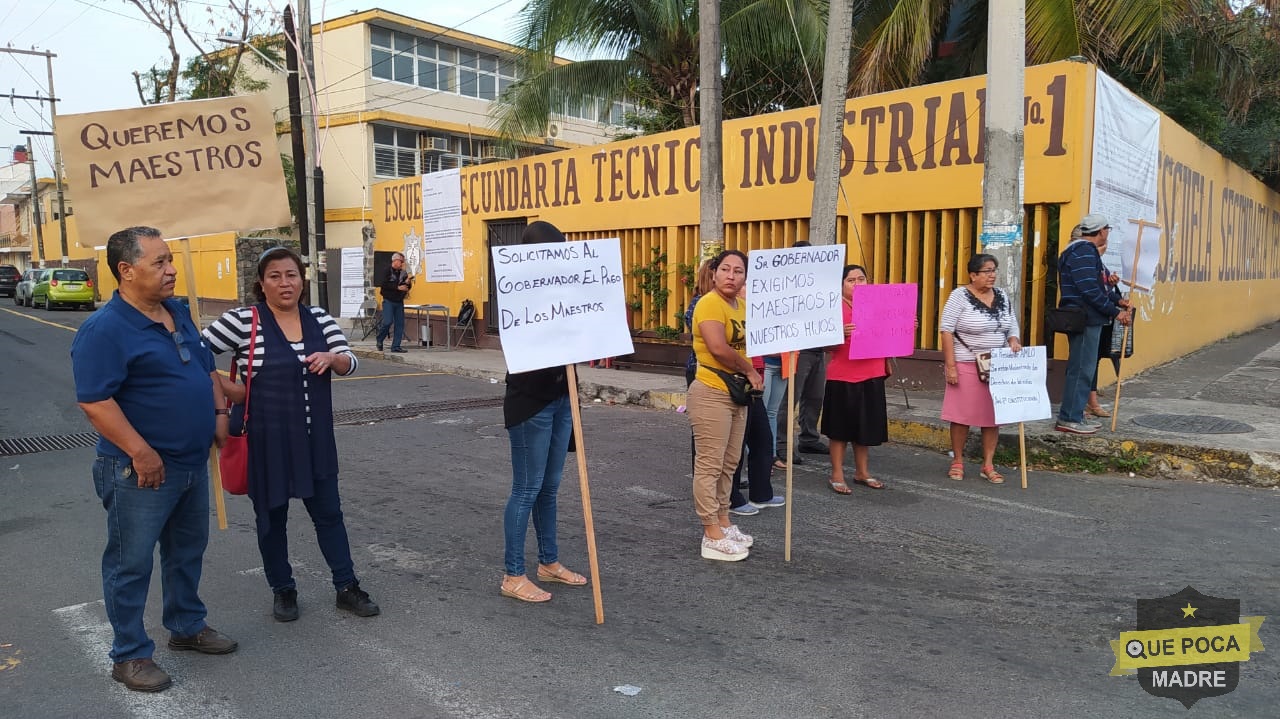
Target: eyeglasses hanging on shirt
point(178, 341)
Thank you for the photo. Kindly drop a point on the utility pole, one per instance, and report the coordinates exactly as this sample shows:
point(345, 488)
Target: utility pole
point(319, 282)
point(1001, 182)
point(710, 112)
point(57, 151)
point(835, 83)
point(57, 160)
point(298, 143)
point(35, 202)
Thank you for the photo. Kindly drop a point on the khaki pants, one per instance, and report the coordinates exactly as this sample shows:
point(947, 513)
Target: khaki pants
point(718, 425)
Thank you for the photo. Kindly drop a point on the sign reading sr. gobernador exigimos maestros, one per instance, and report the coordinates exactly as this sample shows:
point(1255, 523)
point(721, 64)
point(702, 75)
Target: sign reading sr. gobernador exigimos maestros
point(187, 168)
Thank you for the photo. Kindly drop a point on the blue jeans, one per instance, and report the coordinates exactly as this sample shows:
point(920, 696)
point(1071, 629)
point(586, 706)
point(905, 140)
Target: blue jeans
point(538, 448)
point(757, 445)
point(325, 508)
point(392, 316)
point(176, 516)
point(1082, 367)
point(775, 392)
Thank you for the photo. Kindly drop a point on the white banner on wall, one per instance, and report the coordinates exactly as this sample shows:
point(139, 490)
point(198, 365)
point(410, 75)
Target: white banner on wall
point(352, 274)
point(442, 225)
point(561, 303)
point(1126, 158)
point(793, 299)
point(1017, 384)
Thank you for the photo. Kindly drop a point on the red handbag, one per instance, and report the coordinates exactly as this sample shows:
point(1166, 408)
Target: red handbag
point(233, 460)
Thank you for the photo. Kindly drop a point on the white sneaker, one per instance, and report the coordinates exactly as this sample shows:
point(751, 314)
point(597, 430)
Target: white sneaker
point(724, 550)
point(733, 534)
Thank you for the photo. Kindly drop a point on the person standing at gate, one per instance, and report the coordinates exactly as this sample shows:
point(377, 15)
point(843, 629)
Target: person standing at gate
point(395, 285)
point(150, 388)
point(1083, 284)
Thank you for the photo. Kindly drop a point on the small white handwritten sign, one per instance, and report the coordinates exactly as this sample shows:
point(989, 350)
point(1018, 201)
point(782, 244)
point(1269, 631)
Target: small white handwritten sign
point(1017, 384)
point(561, 303)
point(793, 299)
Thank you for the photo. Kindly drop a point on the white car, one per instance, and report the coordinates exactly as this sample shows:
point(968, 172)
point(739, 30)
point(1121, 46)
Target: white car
point(22, 293)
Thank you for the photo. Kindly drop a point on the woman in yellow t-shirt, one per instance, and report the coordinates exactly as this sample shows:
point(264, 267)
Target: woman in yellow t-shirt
point(720, 343)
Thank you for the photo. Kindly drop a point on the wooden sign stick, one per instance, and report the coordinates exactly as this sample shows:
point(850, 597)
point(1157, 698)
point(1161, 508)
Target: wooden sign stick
point(215, 473)
point(572, 373)
point(790, 358)
point(1022, 452)
point(1124, 341)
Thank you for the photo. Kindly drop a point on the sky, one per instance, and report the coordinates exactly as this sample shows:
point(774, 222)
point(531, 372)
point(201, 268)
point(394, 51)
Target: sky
point(99, 43)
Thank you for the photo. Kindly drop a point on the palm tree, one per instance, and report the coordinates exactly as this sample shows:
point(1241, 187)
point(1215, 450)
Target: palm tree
point(896, 39)
point(647, 51)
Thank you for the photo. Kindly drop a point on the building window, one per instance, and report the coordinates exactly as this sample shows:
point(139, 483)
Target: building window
point(395, 152)
point(435, 65)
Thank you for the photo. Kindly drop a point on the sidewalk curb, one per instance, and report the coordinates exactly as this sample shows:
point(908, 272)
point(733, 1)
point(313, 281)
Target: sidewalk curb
point(1165, 460)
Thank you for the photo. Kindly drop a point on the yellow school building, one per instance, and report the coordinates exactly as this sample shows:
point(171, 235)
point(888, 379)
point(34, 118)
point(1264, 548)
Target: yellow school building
point(909, 210)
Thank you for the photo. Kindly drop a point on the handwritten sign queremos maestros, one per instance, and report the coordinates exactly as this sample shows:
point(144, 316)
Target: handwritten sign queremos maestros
point(561, 303)
point(793, 299)
point(185, 168)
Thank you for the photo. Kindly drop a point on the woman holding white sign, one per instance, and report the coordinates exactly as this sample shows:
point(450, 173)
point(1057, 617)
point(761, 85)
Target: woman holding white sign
point(539, 422)
point(718, 400)
point(853, 408)
point(976, 319)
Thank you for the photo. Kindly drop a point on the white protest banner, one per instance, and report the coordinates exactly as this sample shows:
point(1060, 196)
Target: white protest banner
point(442, 225)
point(352, 274)
point(793, 299)
point(1126, 157)
point(185, 168)
point(1017, 385)
point(560, 303)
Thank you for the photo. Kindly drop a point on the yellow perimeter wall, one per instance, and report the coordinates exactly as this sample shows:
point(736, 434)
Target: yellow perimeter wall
point(910, 210)
point(912, 181)
point(213, 260)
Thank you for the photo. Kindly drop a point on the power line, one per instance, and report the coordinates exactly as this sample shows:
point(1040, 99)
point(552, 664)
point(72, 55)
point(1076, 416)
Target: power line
point(33, 21)
point(69, 23)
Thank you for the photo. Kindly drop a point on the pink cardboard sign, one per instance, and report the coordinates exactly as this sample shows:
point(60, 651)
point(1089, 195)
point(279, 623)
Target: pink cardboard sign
point(885, 320)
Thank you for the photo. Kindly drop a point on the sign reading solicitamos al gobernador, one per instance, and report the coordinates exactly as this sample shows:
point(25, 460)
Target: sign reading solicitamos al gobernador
point(560, 303)
point(1188, 646)
point(185, 168)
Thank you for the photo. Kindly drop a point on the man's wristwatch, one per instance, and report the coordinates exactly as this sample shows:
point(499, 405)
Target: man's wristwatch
point(222, 411)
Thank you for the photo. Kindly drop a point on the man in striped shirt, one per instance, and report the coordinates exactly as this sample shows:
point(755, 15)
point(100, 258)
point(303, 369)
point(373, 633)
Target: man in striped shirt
point(1082, 283)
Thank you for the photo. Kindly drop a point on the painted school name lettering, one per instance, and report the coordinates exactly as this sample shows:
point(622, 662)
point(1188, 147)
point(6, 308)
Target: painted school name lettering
point(1214, 234)
point(935, 132)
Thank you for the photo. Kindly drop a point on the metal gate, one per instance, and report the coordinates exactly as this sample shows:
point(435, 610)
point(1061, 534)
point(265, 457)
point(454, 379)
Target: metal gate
point(500, 233)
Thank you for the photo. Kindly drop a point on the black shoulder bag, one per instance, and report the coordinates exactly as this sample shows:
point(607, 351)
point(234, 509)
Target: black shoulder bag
point(740, 389)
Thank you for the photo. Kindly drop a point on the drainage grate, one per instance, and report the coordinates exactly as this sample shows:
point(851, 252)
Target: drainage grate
point(1192, 424)
point(377, 414)
point(32, 445)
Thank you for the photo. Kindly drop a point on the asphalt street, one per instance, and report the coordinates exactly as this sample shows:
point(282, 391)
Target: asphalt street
point(932, 598)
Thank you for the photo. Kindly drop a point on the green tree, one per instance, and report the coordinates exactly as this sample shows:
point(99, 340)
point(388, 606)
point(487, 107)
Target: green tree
point(896, 40)
point(647, 51)
point(216, 69)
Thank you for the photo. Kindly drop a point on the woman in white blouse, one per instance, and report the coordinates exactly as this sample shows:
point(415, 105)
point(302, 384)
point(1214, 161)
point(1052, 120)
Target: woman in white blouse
point(977, 318)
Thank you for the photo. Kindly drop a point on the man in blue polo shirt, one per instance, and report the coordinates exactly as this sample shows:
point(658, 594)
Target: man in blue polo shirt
point(148, 384)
